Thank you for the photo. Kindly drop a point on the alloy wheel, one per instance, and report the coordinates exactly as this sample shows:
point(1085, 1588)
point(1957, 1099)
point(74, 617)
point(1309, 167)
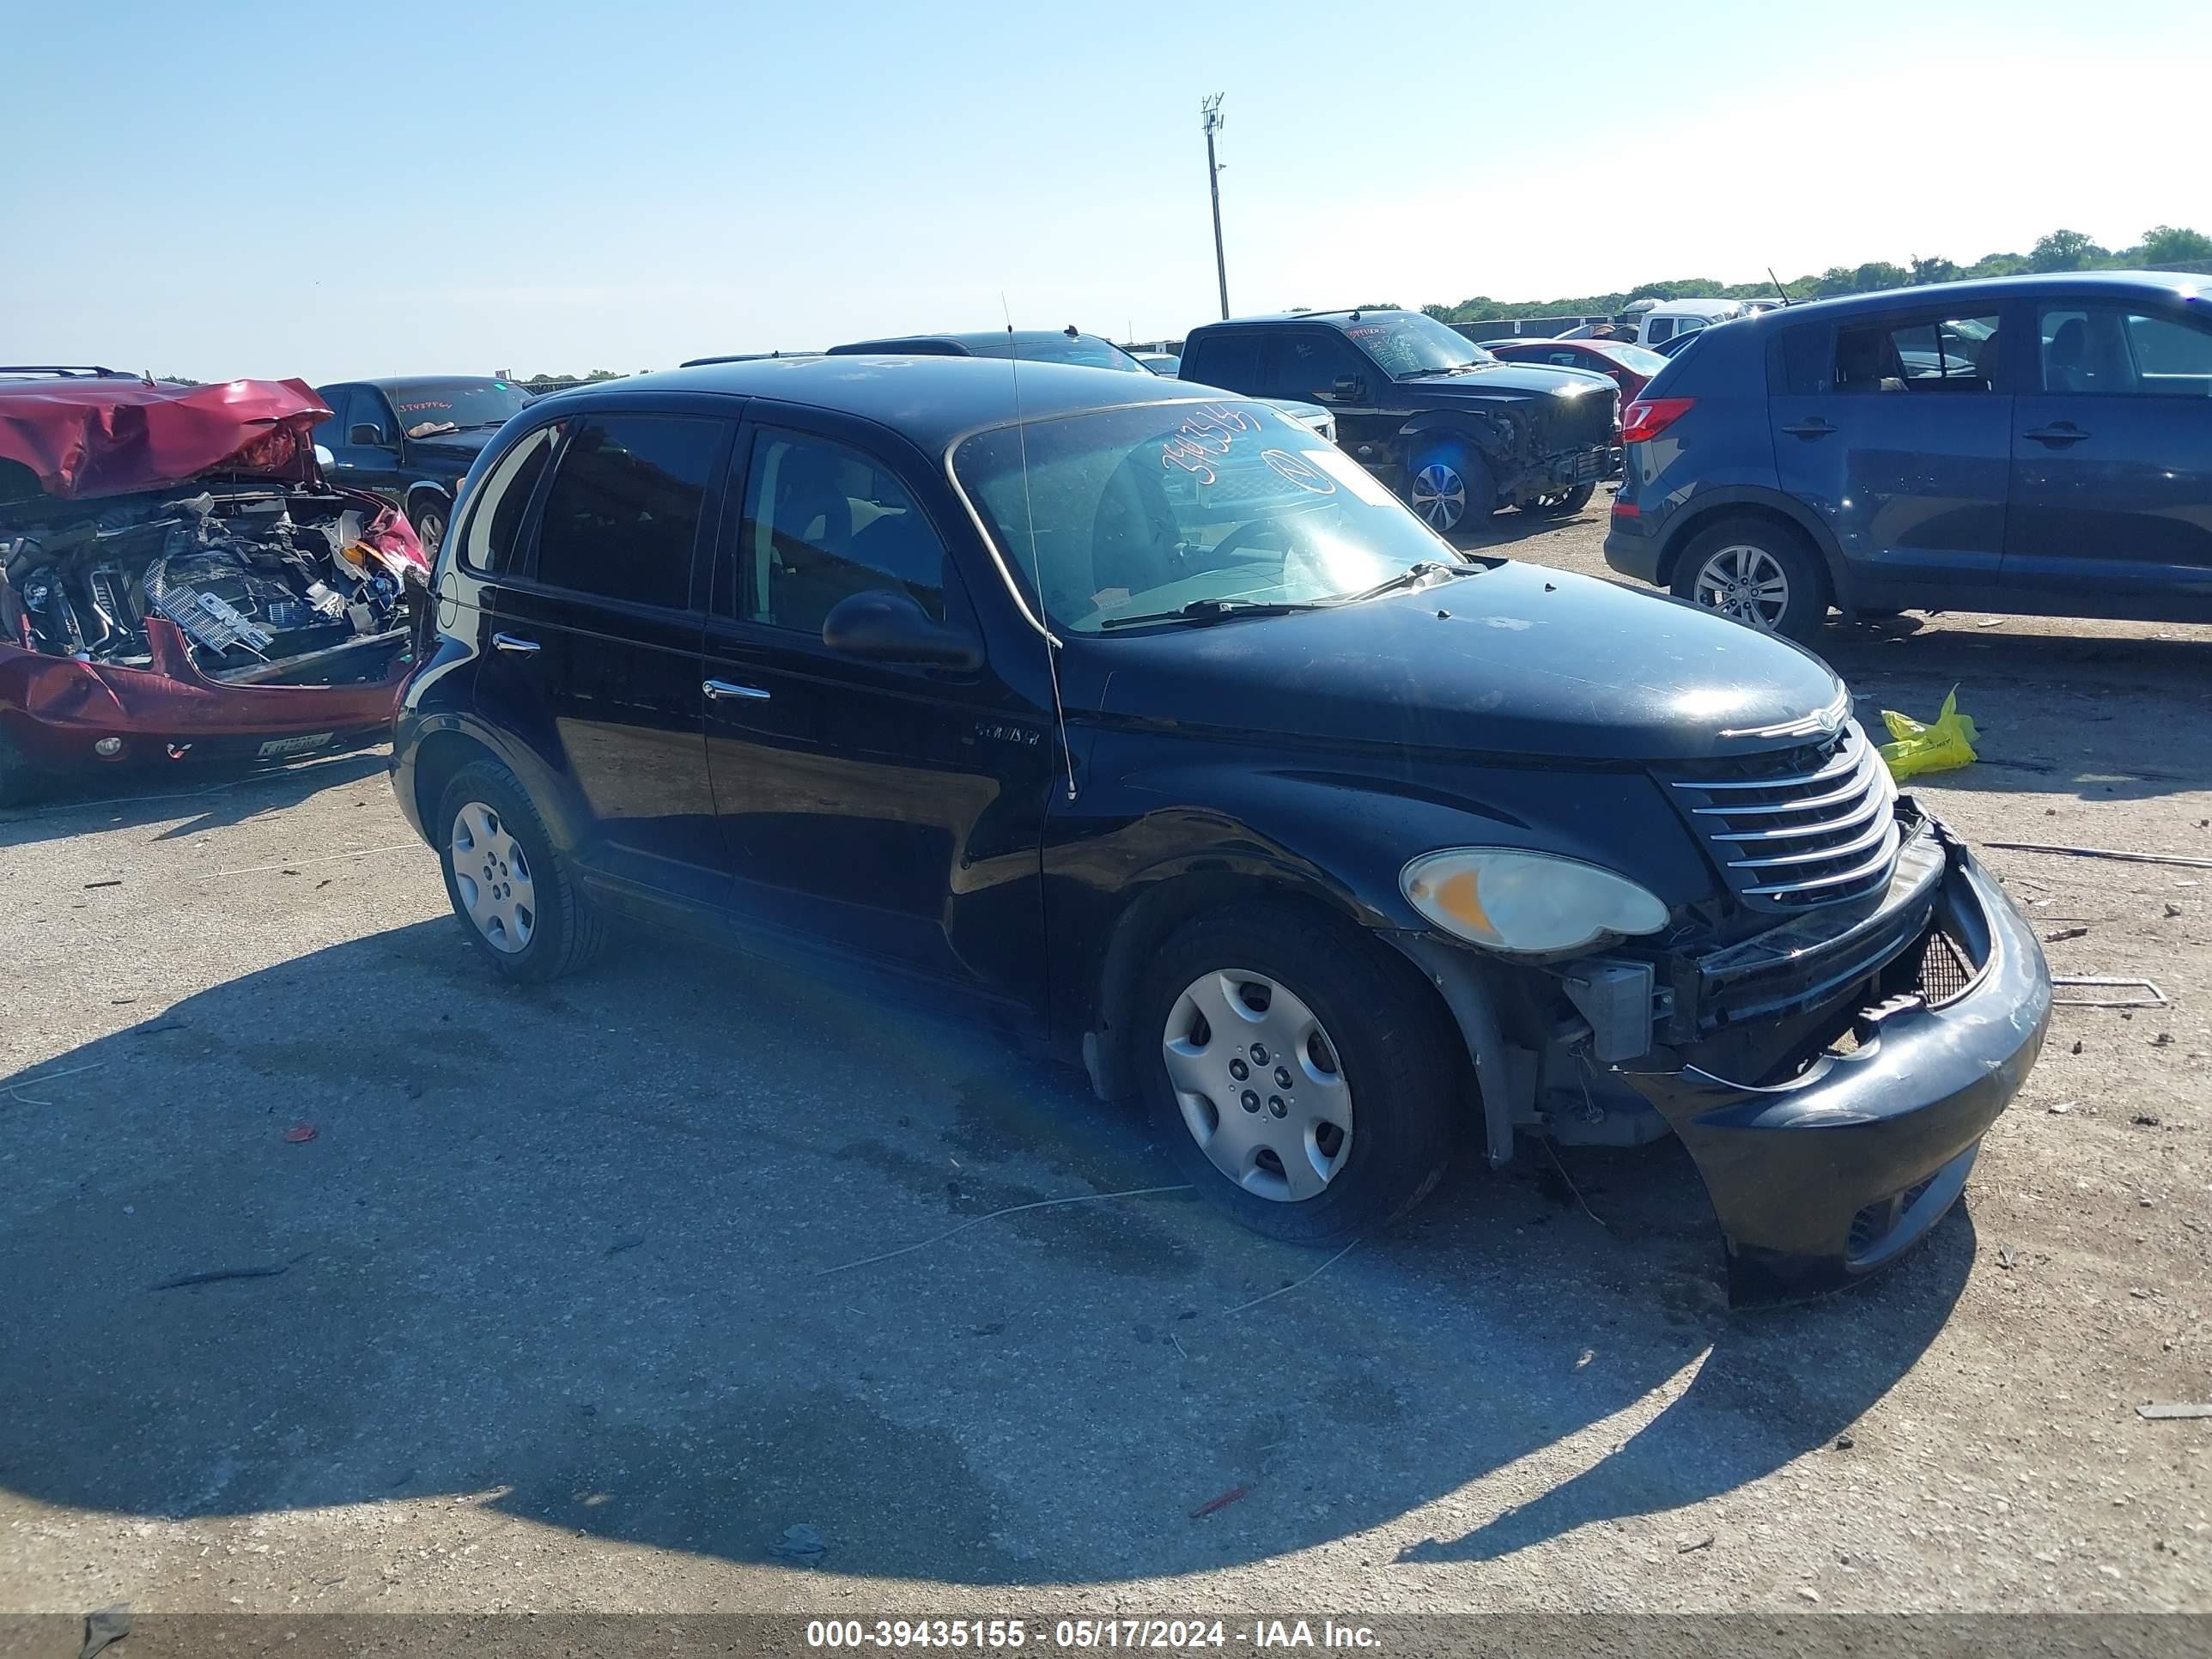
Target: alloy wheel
point(1745, 582)
point(1439, 495)
point(1258, 1083)
point(493, 877)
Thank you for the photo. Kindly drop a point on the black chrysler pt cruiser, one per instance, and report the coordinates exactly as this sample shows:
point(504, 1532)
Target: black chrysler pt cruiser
point(1146, 726)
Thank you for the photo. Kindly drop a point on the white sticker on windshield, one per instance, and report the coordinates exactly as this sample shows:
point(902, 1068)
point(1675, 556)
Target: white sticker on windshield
point(1349, 473)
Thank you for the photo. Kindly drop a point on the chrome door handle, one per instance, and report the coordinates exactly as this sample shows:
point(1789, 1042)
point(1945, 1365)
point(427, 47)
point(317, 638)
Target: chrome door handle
point(717, 689)
point(520, 646)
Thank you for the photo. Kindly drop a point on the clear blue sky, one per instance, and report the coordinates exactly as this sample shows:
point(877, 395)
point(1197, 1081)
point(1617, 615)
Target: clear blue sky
point(326, 189)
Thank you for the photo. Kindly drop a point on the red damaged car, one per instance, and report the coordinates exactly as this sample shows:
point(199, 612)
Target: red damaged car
point(179, 585)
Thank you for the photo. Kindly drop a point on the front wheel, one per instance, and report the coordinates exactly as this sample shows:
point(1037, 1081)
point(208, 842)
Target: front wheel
point(1305, 1079)
point(1450, 488)
point(1758, 573)
point(429, 519)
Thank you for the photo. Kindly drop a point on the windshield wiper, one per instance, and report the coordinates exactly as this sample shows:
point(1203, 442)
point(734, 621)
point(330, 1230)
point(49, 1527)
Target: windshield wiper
point(1416, 575)
point(1448, 368)
point(1214, 610)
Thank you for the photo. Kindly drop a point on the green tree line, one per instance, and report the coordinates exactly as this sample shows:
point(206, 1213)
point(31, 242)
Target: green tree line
point(2061, 250)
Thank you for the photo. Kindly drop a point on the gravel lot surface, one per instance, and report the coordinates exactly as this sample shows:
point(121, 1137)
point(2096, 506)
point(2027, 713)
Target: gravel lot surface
point(554, 1311)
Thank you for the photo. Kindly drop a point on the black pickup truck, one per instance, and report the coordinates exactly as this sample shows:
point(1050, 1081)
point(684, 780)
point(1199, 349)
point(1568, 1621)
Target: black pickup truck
point(410, 440)
point(1434, 417)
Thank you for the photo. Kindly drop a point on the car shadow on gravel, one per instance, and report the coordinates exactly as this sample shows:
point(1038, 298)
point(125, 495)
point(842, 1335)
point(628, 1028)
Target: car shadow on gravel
point(689, 1253)
point(208, 799)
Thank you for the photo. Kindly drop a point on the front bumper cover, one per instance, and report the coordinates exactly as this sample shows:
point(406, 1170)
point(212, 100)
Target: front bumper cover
point(1837, 1171)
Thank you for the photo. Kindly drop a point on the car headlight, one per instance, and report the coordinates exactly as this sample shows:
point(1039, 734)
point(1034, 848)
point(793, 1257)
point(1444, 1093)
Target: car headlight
point(1530, 903)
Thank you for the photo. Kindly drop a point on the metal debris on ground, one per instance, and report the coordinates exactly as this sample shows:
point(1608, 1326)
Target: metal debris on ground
point(1704, 1543)
point(301, 1134)
point(1012, 1209)
point(218, 1275)
point(626, 1241)
point(101, 1629)
point(2101, 852)
point(1284, 1290)
point(2065, 933)
point(1221, 1503)
point(2150, 997)
point(2163, 1410)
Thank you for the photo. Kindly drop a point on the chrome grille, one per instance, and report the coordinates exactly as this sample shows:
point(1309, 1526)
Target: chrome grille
point(1809, 825)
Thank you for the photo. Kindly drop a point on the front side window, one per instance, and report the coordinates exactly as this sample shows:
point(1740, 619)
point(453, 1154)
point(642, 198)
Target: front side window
point(495, 522)
point(1309, 363)
point(622, 516)
point(365, 418)
point(1919, 354)
point(1132, 512)
point(2112, 351)
point(823, 522)
point(1659, 329)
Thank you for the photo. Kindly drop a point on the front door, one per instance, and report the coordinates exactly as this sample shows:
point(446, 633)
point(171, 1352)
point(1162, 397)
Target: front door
point(2112, 462)
point(1896, 431)
point(596, 647)
point(891, 814)
point(1315, 364)
point(364, 443)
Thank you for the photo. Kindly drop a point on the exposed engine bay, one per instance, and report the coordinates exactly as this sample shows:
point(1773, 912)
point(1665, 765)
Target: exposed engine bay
point(269, 584)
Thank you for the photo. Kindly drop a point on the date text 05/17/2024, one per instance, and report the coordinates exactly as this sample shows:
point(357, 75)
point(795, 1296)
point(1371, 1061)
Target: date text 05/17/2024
point(1010, 1635)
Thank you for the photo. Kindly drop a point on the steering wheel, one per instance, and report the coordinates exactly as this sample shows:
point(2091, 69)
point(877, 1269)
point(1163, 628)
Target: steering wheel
point(1219, 552)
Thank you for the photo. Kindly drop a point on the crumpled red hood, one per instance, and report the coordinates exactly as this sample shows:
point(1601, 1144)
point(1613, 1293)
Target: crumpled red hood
point(110, 436)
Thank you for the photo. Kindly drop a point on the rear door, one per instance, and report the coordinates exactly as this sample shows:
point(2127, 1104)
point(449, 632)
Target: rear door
point(593, 651)
point(1896, 429)
point(889, 814)
point(2111, 460)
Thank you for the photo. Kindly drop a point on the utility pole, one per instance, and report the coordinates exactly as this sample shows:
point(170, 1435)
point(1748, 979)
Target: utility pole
point(1210, 118)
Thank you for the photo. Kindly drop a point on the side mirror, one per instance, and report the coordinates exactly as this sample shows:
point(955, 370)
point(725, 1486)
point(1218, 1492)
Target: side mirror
point(324, 457)
point(1349, 388)
point(364, 432)
point(885, 625)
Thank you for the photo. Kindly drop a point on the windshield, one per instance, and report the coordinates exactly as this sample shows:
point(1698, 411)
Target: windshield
point(429, 406)
point(1638, 360)
point(1412, 341)
point(1086, 349)
point(1154, 507)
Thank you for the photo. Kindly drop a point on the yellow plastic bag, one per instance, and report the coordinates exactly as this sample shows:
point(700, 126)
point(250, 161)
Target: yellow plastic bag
point(1938, 748)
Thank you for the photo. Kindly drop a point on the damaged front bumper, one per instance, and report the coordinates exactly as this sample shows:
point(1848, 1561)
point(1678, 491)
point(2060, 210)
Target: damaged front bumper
point(1833, 1173)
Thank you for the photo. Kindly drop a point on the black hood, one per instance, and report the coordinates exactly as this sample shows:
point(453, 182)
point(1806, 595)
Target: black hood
point(459, 447)
point(1515, 382)
point(1526, 662)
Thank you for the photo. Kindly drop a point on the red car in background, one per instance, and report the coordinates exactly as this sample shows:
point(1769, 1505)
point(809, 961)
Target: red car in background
point(177, 582)
point(1629, 366)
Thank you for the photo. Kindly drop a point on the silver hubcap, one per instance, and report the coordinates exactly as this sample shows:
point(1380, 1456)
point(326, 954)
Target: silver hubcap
point(1747, 583)
point(1440, 495)
point(430, 531)
point(493, 878)
point(1258, 1083)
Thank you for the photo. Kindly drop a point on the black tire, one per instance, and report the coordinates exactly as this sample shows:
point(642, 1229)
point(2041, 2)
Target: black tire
point(1804, 606)
point(1563, 506)
point(1394, 1049)
point(1470, 505)
point(21, 783)
point(431, 518)
point(566, 930)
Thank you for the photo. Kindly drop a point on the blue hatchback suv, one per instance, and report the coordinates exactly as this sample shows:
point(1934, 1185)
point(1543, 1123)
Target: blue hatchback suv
point(2034, 445)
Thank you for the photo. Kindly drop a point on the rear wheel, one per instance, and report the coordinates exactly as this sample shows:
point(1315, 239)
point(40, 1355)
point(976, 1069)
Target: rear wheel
point(514, 893)
point(1758, 573)
point(1451, 488)
point(1306, 1079)
point(1563, 503)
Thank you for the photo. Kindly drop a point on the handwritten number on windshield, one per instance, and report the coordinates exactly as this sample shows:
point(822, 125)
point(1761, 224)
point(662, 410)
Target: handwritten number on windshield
point(1208, 433)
